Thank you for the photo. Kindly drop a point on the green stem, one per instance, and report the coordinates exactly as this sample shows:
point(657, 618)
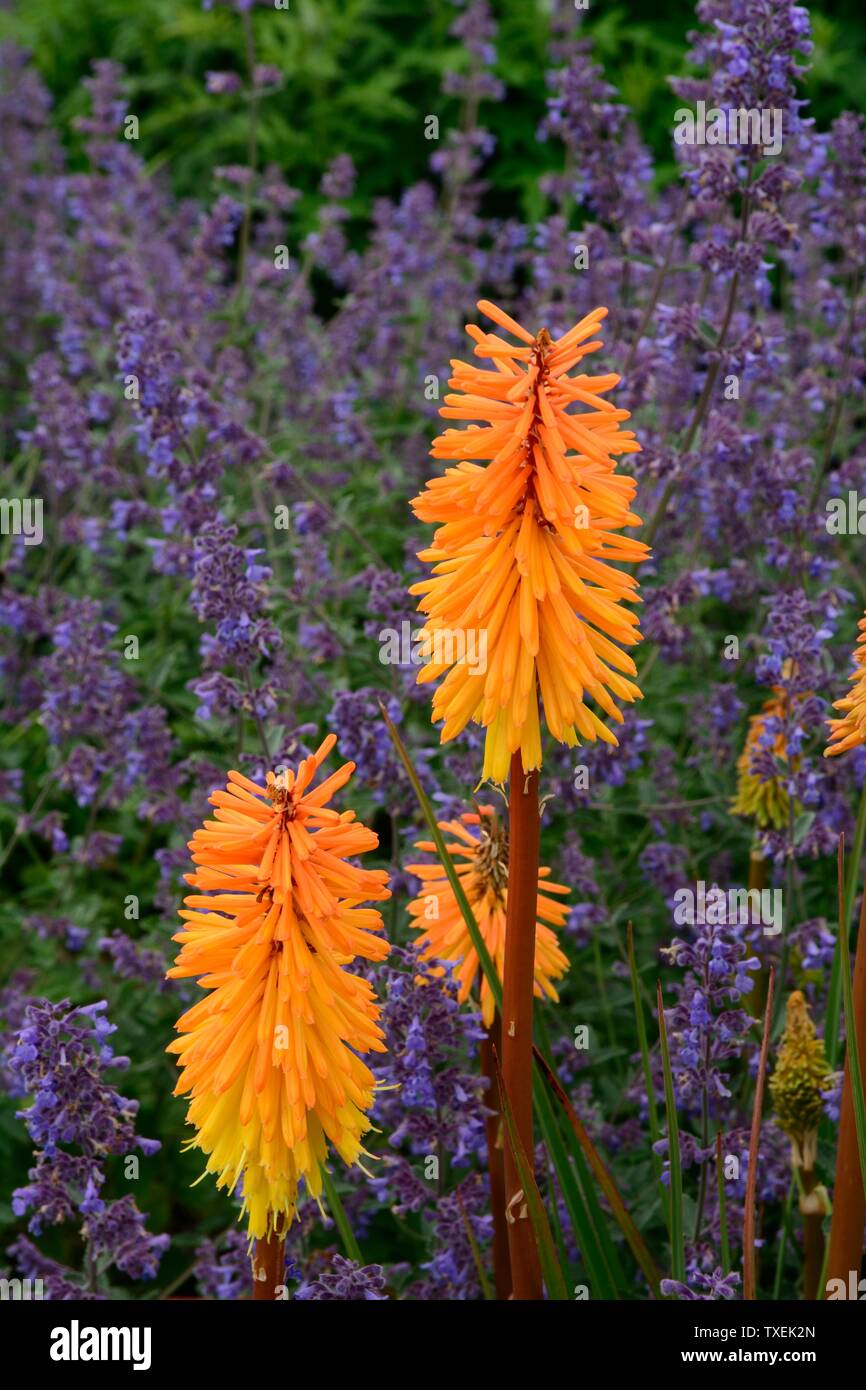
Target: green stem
point(723, 1207)
point(786, 1223)
point(750, 1271)
point(341, 1220)
point(678, 1254)
point(643, 1043)
point(602, 991)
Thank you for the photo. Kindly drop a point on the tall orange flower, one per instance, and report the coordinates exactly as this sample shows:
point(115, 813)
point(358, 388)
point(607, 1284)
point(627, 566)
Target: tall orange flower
point(850, 730)
point(269, 1056)
point(480, 848)
point(523, 598)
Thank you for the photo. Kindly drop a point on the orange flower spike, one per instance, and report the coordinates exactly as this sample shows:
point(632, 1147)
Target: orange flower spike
point(480, 851)
point(523, 600)
point(850, 730)
point(269, 1058)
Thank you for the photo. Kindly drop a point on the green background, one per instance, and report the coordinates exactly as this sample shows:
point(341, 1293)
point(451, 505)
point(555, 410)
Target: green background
point(359, 75)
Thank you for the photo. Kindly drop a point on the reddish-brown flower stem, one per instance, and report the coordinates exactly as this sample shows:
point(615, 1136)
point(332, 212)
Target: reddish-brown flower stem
point(813, 1234)
point(268, 1266)
point(757, 996)
point(517, 994)
point(849, 1202)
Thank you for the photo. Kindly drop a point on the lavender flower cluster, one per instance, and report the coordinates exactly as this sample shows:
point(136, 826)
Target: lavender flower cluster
point(76, 1119)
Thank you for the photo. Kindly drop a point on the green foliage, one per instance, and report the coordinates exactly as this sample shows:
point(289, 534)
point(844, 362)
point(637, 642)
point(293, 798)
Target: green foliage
point(359, 76)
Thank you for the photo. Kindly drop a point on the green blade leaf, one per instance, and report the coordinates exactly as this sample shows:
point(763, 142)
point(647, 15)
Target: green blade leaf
point(643, 1043)
point(550, 1268)
point(723, 1208)
point(601, 1279)
point(486, 1287)
point(749, 1241)
point(605, 1180)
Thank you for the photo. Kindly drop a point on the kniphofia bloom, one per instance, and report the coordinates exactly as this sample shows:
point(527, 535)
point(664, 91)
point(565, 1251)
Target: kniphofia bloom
point(800, 1081)
point(479, 847)
point(850, 730)
point(766, 800)
point(269, 1057)
point(524, 558)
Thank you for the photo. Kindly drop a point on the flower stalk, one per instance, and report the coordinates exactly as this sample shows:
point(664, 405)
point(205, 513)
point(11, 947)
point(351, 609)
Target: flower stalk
point(525, 557)
point(849, 1198)
point(268, 1266)
point(750, 1270)
point(517, 997)
point(797, 1087)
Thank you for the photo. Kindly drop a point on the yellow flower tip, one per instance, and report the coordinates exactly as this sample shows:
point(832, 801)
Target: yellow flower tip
point(481, 852)
point(271, 1056)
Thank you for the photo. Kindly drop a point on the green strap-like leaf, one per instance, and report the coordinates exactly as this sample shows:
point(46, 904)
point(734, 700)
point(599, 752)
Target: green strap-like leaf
point(341, 1220)
point(550, 1268)
point(605, 1180)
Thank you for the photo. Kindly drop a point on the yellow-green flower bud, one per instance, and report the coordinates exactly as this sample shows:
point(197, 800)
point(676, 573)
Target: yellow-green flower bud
point(799, 1081)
